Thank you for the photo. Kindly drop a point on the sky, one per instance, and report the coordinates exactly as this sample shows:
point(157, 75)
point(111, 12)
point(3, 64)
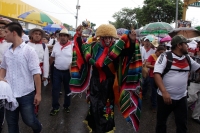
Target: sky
point(96, 11)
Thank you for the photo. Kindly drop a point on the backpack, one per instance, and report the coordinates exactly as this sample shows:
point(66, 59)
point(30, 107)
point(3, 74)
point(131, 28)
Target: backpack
point(169, 64)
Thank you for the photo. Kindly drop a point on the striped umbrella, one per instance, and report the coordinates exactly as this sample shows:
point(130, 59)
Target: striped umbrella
point(36, 16)
point(5, 20)
point(157, 29)
point(53, 27)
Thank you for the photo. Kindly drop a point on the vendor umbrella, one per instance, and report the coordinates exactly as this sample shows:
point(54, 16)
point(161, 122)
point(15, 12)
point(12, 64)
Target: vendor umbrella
point(53, 27)
point(36, 16)
point(157, 28)
point(121, 31)
point(186, 32)
point(5, 20)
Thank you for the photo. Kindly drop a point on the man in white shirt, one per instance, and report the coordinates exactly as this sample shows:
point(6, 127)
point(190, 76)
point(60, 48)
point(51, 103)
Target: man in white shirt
point(62, 55)
point(3, 46)
point(42, 51)
point(172, 92)
point(20, 68)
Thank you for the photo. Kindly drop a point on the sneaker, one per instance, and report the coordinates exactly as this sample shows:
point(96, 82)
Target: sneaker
point(67, 109)
point(54, 112)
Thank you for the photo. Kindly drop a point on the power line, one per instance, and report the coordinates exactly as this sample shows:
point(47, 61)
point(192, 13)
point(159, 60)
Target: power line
point(55, 3)
point(135, 2)
point(63, 1)
point(53, 12)
point(64, 7)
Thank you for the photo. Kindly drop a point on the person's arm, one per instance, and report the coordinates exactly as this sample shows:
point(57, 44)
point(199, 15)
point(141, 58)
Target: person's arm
point(148, 64)
point(3, 70)
point(37, 81)
point(35, 70)
point(2, 74)
point(52, 57)
point(158, 70)
point(161, 87)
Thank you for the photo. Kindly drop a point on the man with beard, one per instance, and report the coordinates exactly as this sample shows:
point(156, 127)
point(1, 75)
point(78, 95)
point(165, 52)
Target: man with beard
point(172, 92)
point(42, 51)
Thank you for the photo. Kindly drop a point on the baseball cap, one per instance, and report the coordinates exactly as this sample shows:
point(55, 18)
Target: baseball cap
point(179, 39)
point(150, 38)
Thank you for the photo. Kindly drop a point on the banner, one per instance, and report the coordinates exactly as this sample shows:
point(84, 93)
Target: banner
point(182, 23)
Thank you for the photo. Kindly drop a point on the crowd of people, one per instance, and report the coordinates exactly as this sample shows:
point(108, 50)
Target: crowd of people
point(104, 66)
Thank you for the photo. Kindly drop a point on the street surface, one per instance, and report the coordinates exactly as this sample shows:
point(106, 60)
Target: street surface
point(72, 122)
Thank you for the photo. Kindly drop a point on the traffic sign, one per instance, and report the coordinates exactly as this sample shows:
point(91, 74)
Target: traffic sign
point(195, 4)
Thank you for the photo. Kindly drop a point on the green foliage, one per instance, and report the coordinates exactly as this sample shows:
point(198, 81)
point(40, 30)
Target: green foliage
point(152, 11)
point(198, 28)
point(92, 25)
point(68, 27)
point(159, 10)
point(126, 18)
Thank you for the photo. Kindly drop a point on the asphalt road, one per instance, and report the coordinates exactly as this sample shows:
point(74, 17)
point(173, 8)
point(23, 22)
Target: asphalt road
point(72, 122)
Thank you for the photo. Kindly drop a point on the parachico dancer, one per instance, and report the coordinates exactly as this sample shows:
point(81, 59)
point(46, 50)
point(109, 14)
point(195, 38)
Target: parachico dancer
point(96, 74)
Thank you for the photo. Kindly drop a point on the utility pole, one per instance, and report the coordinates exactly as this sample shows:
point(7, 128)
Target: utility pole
point(176, 21)
point(77, 8)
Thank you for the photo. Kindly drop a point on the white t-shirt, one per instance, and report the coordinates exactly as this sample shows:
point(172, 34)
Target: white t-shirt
point(146, 54)
point(175, 82)
point(63, 58)
point(43, 55)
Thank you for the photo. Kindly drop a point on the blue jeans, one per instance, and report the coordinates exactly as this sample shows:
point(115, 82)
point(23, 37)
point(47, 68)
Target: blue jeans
point(26, 108)
point(145, 85)
point(60, 76)
point(153, 92)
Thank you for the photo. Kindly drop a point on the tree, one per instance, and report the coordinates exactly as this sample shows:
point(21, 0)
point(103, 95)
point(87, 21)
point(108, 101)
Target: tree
point(68, 27)
point(152, 11)
point(159, 10)
point(92, 25)
point(126, 18)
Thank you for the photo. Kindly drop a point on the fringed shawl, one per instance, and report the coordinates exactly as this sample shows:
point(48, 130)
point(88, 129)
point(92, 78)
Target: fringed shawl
point(129, 75)
point(129, 80)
